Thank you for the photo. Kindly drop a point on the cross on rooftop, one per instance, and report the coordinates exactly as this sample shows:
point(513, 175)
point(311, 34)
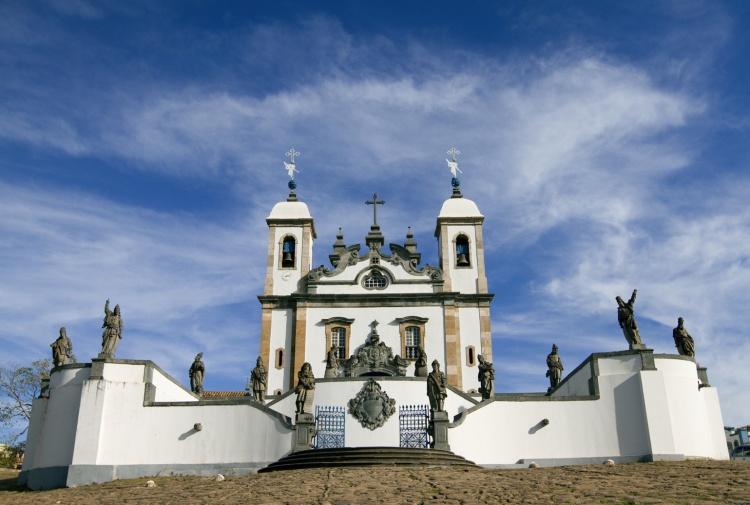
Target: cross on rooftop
point(375, 202)
point(453, 152)
point(291, 154)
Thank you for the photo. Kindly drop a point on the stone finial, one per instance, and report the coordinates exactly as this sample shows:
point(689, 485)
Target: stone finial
point(411, 245)
point(339, 248)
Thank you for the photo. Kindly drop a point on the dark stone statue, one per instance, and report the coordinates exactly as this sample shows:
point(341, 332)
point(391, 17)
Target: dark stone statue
point(62, 349)
point(486, 377)
point(196, 372)
point(626, 319)
point(112, 331)
point(332, 362)
point(682, 339)
point(304, 388)
point(437, 387)
point(259, 380)
point(554, 368)
point(420, 365)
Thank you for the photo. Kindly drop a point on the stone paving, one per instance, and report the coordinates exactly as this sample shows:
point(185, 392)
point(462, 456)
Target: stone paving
point(674, 482)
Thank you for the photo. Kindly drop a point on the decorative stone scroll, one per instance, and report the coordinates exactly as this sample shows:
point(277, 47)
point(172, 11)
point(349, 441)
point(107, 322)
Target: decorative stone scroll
point(372, 407)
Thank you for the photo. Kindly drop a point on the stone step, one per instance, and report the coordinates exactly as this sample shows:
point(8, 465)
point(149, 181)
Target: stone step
point(367, 456)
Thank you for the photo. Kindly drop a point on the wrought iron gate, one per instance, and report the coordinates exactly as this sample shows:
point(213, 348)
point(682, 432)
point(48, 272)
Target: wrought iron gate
point(413, 421)
point(329, 427)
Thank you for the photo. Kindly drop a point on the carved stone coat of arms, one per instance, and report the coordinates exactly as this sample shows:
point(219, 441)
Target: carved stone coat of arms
point(372, 407)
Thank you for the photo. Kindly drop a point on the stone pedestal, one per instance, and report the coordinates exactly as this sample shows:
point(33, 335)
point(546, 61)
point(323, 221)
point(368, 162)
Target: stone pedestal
point(439, 430)
point(637, 347)
point(304, 431)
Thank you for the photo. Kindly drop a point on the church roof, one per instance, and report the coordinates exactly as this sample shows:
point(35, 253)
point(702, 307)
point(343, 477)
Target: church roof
point(459, 207)
point(290, 210)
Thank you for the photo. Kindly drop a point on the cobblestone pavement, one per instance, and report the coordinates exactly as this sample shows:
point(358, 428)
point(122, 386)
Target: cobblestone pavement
point(674, 482)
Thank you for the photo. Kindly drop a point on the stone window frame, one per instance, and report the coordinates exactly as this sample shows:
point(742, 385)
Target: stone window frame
point(281, 251)
point(471, 356)
point(370, 273)
point(455, 253)
point(278, 358)
point(337, 322)
point(405, 322)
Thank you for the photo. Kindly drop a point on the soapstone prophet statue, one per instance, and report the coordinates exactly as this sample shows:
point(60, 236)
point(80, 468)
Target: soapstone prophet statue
point(682, 339)
point(486, 377)
point(626, 319)
point(112, 331)
point(197, 372)
point(437, 387)
point(62, 349)
point(554, 368)
point(259, 380)
point(305, 384)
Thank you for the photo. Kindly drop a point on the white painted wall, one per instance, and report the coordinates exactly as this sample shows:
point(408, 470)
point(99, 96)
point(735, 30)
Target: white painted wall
point(167, 390)
point(468, 318)
point(282, 324)
point(349, 281)
point(639, 412)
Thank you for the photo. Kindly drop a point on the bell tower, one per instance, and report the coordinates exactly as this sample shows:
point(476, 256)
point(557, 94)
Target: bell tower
point(291, 232)
point(461, 250)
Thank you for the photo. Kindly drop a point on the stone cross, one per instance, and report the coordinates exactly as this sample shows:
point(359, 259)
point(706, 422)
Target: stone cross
point(375, 202)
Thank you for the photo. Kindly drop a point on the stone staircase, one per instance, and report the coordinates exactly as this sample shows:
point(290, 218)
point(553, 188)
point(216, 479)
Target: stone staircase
point(367, 456)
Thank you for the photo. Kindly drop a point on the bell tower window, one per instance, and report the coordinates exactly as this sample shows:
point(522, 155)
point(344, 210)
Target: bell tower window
point(463, 256)
point(288, 252)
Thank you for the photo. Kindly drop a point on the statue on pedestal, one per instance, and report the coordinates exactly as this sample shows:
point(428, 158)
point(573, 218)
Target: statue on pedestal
point(682, 339)
point(62, 349)
point(259, 380)
point(554, 368)
point(304, 388)
point(332, 362)
point(420, 365)
point(112, 331)
point(486, 377)
point(626, 319)
point(437, 387)
point(196, 373)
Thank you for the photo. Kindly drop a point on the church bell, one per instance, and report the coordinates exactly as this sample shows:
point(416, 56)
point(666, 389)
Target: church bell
point(462, 260)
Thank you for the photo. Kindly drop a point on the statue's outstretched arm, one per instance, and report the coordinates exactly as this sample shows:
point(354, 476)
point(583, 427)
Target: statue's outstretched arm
point(106, 307)
point(632, 297)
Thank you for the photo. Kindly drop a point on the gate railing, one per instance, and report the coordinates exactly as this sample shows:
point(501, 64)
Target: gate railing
point(329, 427)
point(413, 421)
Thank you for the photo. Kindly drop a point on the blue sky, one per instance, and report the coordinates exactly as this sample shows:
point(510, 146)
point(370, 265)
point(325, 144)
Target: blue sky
point(141, 149)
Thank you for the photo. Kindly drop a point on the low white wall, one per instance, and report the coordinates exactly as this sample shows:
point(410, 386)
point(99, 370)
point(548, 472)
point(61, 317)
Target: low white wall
point(653, 413)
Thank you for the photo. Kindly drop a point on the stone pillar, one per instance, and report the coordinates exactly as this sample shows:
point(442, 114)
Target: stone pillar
point(304, 431)
point(439, 430)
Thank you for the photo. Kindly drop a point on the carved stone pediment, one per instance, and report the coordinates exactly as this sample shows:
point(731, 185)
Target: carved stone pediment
point(374, 358)
point(372, 407)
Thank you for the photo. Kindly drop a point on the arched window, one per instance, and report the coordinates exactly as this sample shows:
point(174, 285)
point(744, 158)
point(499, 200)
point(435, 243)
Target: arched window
point(413, 341)
point(288, 252)
point(471, 356)
point(338, 338)
point(463, 256)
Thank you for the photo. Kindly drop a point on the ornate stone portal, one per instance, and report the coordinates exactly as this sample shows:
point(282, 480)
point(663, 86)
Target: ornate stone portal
point(374, 358)
point(372, 407)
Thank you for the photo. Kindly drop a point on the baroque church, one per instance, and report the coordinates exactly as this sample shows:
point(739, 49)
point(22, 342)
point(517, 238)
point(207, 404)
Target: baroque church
point(443, 310)
point(379, 358)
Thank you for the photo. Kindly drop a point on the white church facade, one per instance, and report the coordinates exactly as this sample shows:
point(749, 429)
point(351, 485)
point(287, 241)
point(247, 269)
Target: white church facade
point(375, 312)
